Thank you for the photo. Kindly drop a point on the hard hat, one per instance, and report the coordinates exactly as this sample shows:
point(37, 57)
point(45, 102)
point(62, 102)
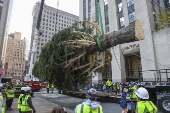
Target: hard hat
point(92, 94)
point(26, 88)
point(142, 93)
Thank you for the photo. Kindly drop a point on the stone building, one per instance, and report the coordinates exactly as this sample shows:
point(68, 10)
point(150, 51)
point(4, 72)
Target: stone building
point(52, 21)
point(15, 56)
point(5, 13)
point(144, 60)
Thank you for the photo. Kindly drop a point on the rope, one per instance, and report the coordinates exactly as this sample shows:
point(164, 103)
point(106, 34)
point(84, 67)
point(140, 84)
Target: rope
point(99, 43)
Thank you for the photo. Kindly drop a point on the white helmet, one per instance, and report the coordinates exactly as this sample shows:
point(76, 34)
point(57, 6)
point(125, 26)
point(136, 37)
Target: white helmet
point(26, 88)
point(142, 93)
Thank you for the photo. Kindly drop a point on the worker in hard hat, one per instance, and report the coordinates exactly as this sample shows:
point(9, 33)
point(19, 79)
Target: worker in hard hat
point(19, 99)
point(143, 103)
point(26, 102)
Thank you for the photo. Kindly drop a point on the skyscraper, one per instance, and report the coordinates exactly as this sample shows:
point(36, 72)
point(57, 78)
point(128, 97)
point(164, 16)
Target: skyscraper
point(4, 13)
point(52, 21)
point(15, 56)
point(130, 59)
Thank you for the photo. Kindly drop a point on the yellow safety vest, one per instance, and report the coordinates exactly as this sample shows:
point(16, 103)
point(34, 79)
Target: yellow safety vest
point(24, 106)
point(83, 108)
point(19, 101)
point(133, 95)
point(10, 95)
point(52, 86)
point(48, 86)
point(3, 104)
point(108, 83)
point(146, 107)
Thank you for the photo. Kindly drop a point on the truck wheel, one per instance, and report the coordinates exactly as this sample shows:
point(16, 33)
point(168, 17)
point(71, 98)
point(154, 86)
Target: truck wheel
point(164, 104)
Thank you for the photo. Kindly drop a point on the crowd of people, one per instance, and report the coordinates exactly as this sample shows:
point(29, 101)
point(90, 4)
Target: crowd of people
point(138, 94)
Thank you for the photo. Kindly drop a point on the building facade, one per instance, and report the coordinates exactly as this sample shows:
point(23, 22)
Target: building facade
point(5, 12)
point(15, 56)
point(143, 60)
point(52, 21)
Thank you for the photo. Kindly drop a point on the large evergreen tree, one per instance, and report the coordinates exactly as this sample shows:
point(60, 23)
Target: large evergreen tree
point(74, 53)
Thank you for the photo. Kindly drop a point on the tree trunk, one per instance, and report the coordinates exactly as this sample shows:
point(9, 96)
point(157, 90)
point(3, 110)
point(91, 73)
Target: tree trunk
point(132, 32)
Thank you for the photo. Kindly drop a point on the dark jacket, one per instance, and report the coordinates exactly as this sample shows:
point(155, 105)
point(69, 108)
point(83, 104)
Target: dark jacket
point(123, 103)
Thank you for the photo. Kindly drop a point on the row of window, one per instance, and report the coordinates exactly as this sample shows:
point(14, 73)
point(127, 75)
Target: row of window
point(60, 16)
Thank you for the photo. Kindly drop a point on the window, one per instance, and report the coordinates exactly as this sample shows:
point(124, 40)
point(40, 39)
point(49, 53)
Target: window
point(132, 17)
point(121, 22)
point(120, 8)
point(130, 2)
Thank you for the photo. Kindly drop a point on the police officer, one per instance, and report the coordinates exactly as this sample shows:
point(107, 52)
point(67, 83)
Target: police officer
point(10, 96)
point(26, 102)
point(90, 105)
point(19, 99)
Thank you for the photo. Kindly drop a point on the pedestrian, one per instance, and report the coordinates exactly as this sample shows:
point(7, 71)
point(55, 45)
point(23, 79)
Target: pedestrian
point(26, 101)
point(91, 105)
point(2, 102)
point(104, 87)
point(59, 109)
point(143, 103)
point(10, 96)
point(48, 87)
point(19, 99)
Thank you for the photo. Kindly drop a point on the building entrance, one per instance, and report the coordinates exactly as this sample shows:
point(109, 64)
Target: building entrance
point(133, 68)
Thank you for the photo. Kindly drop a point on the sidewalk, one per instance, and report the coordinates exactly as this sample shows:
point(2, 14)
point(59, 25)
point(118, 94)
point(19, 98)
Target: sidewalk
point(41, 106)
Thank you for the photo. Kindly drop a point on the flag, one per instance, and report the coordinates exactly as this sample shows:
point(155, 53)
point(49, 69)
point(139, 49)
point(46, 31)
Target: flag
point(6, 66)
point(2, 72)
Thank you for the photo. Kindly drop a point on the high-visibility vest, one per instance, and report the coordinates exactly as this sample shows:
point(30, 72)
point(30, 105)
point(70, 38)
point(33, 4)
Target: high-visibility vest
point(52, 86)
point(19, 101)
point(25, 105)
point(133, 95)
point(48, 86)
point(108, 83)
point(83, 108)
point(3, 105)
point(9, 95)
point(146, 107)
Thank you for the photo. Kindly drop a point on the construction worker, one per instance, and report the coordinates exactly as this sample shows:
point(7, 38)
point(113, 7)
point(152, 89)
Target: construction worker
point(19, 99)
point(117, 88)
point(52, 88)
point(90, 105)
point(132, 93)
point(109, 85)
point(143, 103)
point(48, 87)
point(10, 96)
point(2, 102)
point(26, 102)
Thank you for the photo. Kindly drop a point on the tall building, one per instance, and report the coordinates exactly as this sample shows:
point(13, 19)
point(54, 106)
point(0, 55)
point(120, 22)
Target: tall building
point(132, 61)
point(52, 21)
point(5, 12)
point(15, 56)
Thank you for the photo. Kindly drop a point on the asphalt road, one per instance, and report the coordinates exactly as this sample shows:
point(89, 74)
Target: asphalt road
point(71, 102)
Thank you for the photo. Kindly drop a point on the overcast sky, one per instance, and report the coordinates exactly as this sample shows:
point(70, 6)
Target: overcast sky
point(21, 18)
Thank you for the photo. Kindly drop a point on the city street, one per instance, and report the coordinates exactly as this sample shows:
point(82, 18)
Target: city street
point(71, 102)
